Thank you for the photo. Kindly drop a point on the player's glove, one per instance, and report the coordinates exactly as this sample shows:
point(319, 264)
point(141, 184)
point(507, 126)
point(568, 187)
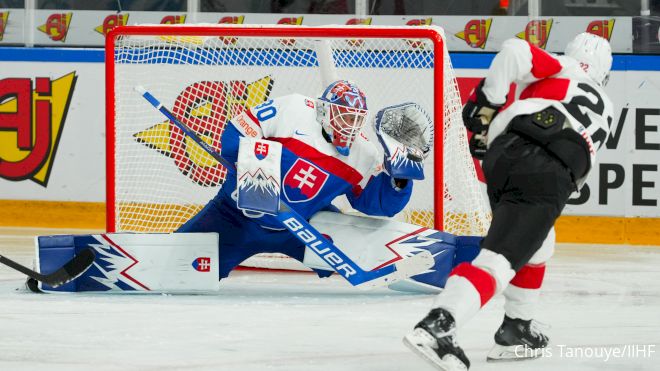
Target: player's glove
point(479, 145)
point(478, 113)
point(406, 133)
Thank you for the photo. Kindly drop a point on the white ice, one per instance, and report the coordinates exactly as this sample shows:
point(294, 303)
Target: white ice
point(597, 299)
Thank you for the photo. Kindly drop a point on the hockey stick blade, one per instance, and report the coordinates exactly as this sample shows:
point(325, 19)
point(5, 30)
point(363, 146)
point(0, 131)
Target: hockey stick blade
point(405, 268)
point(67, 273)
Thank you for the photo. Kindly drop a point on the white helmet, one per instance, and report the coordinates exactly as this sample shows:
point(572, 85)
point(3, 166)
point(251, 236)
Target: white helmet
point(594, 55)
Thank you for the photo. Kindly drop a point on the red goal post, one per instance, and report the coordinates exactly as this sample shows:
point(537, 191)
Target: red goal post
point(206, 74)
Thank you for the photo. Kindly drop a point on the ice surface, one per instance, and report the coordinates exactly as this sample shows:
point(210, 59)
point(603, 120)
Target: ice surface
point(595, 297)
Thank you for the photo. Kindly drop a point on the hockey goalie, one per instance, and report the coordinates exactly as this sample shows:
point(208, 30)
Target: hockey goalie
point(304, 151)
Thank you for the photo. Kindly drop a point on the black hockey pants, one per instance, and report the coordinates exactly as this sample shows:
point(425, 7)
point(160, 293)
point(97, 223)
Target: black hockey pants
point(527, 188)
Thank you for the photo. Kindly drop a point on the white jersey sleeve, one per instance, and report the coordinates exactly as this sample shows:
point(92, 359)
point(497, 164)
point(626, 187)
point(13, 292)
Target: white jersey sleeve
point(543, 80)
point(518, 62)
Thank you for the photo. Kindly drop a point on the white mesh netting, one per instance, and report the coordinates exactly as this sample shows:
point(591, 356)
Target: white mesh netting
point(162, 178)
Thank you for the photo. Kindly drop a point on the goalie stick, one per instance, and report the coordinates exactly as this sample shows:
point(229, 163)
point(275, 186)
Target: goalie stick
point(307, 234)
point(68, 272)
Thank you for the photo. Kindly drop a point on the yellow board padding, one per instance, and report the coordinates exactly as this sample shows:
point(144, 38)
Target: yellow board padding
point(91, 215)
point(52, 214)
point(608, 230)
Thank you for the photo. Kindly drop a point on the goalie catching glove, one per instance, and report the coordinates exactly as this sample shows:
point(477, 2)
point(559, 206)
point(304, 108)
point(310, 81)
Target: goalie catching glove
point(406, 133)
point(478, 113)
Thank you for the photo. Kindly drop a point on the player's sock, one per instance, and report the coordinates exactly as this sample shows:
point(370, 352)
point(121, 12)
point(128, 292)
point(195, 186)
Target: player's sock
point(522, 293)
point(517, 339)
point(434, 339)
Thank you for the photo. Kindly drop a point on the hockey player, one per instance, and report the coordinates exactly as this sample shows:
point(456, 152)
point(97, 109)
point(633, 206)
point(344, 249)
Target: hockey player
point(535, 152)
point(324, 155)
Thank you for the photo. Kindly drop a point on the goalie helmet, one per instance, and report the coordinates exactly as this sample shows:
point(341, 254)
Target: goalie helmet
point(594, 55)
point(342, 112)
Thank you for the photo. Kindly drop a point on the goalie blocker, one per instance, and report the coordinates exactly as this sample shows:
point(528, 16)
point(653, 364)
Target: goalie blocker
point(189, 262)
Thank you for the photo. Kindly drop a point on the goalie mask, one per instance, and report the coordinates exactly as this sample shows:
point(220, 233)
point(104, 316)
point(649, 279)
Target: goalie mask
point(342, 112)
point(594, 55)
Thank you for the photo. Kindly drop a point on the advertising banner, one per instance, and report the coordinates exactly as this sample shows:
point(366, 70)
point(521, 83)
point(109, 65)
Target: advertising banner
point(464, 33)
point(52, 128)
point(52, 137)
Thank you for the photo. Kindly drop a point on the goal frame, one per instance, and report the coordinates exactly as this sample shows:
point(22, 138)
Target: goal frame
point(355, 32)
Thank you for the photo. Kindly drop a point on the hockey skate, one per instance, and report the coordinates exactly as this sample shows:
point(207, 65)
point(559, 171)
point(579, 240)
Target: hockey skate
point(434, 340)
point(517, 340)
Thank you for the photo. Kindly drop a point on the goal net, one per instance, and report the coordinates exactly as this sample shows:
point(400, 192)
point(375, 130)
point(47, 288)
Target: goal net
point(157, 178)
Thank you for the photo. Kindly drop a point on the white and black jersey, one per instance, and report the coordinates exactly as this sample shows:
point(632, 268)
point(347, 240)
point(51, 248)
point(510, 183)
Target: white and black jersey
point(543, 80)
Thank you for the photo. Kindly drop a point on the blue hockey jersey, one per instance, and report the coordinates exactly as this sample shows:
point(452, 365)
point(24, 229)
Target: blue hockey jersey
point(313, 172)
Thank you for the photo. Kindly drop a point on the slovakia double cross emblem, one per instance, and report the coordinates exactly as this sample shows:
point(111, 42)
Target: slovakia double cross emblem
point(202, 264)
point(260, 150)
point(303, 181)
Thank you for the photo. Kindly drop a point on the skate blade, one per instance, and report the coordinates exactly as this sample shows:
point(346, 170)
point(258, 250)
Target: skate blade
point(512, 353)
point(420, 342)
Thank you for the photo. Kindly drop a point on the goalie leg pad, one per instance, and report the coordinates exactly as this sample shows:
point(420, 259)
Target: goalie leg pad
point(374, 243)
point(136, 263)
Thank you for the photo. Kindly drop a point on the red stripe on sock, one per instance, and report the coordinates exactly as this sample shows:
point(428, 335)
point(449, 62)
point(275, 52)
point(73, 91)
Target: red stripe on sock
point(529, 276)
point(483, 281)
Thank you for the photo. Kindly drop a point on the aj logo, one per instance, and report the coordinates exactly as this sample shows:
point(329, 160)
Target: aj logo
point(602, 28)
point(205, 107)
point(112, 21)
point(537, 32)
point(357, 21)
point(418, 44)
point(4, 17)
point(56, 26)
point(173, 19)
point(32, 115)
point(295, 21)
point(475, 32)
point(228, 40)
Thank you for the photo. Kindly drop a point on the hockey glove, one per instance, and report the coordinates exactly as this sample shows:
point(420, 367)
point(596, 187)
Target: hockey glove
point(478, 113)
point(478, 145)
point(406, 133)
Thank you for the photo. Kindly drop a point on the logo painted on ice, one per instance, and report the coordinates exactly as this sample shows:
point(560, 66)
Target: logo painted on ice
point(303, 181)
point(199, 104)
point(202, 264)
point(261, 150)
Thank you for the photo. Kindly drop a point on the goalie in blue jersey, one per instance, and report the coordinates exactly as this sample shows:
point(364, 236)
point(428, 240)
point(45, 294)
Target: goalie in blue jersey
point(324, 155)
point(294, 155)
